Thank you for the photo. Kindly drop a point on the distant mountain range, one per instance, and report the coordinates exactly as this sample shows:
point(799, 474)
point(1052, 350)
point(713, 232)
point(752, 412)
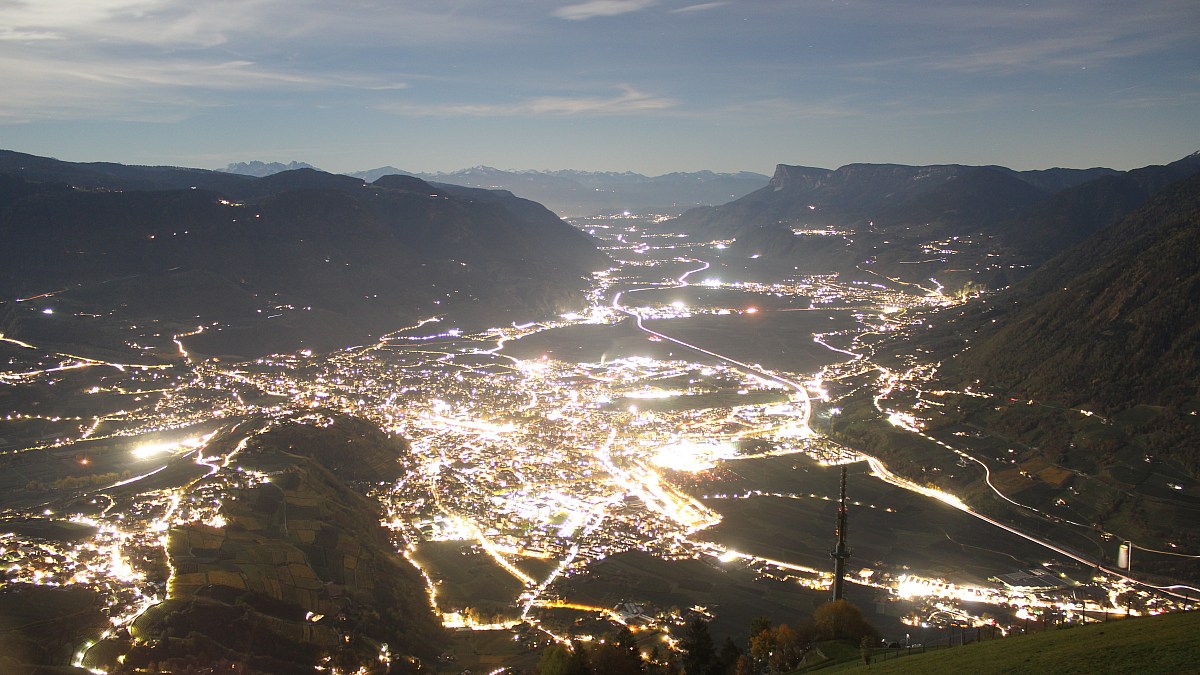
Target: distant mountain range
point(574, 193)
point(298, 258)
point(954, 223)
point(262, 169)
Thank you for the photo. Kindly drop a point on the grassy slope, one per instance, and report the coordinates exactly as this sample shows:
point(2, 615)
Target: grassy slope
point(1163, 644)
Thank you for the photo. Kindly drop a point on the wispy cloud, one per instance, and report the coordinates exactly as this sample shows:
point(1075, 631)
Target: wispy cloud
point(843, 71)
point(1035, 53)
point(1156, 101)
point(8, 33)
point(69, 59)
point(213, 23)
point(594, 8)
point(838, 107)
point(51, 88)
point(977, 38)
point(628, 101)
point(698, 8)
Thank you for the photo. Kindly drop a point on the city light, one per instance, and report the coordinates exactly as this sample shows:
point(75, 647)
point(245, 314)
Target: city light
point(524, 459)
point(691, 456)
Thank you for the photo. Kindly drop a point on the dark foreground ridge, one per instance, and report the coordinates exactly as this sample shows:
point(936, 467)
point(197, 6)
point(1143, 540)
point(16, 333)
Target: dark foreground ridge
point(301, 574)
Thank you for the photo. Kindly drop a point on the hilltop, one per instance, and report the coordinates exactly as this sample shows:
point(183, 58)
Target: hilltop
point(300, 571)
point(294, 571)
point(583, 193)
point(568, 192)
point(966, 226)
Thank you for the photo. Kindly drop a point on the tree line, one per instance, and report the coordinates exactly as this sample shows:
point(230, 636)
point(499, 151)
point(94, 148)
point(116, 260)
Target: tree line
point(770, 649)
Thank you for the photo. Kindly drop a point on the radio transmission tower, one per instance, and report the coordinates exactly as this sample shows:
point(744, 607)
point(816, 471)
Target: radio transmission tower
point(841, 552)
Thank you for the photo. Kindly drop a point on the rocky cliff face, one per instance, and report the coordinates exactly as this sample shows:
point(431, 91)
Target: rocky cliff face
point(796, 177)
point(891, 217)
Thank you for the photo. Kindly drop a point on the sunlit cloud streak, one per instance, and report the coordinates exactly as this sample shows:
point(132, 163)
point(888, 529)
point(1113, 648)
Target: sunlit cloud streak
point(698, 8)
point(50, 88)
point(990, 39)
point(629, 101)
point(597, 8)
point(246, 23)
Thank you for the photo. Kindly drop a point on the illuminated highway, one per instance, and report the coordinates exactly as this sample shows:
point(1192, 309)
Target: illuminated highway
point(746, 367)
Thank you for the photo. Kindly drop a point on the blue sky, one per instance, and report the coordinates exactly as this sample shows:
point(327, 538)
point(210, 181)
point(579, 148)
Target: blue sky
point(645, 85)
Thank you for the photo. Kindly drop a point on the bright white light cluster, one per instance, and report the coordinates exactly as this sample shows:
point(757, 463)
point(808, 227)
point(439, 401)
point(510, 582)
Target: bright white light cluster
point(692, 456)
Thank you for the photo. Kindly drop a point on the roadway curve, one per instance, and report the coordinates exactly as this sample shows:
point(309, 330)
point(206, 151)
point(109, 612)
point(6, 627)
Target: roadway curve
point(877, 466)
point(806, 403)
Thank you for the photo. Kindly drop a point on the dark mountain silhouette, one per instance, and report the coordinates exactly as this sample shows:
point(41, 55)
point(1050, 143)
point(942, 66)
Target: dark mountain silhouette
point(946, 221)
point(297, 258)
point(297, 179)
point(584, 193)
point(568, 192)
point(1087, 369)
point(886, 194)
point(373, 175)
point(1053, 180)
point(110, 176)
point(1111, 323)
point(1075, 213)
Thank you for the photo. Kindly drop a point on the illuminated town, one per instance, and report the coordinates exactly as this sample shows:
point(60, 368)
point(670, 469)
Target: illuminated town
point(540, 450)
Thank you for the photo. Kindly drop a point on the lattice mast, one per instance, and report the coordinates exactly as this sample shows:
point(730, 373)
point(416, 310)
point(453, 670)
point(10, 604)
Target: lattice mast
point(841, 552)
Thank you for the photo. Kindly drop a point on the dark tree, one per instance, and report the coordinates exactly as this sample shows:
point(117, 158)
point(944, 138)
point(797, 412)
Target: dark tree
point(840, 620)
point(728, 657)
point(578, 663)
point(657, 665)
point(562, 660)
point(618, 656)
point(700, 656)
point(758, 624)
point(780, 648)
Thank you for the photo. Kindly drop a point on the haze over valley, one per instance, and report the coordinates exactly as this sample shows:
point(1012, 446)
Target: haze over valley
point(388, 420)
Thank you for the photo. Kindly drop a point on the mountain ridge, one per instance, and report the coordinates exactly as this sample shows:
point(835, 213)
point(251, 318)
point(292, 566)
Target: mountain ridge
point(571, 192)
point(261, 169)
point(889, 218)
point(327, 258)
point(1134, 287)
point(568, 192)
point(1085, 369)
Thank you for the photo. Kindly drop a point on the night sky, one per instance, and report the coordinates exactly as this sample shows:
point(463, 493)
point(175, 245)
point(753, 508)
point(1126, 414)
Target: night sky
point(641, 85)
